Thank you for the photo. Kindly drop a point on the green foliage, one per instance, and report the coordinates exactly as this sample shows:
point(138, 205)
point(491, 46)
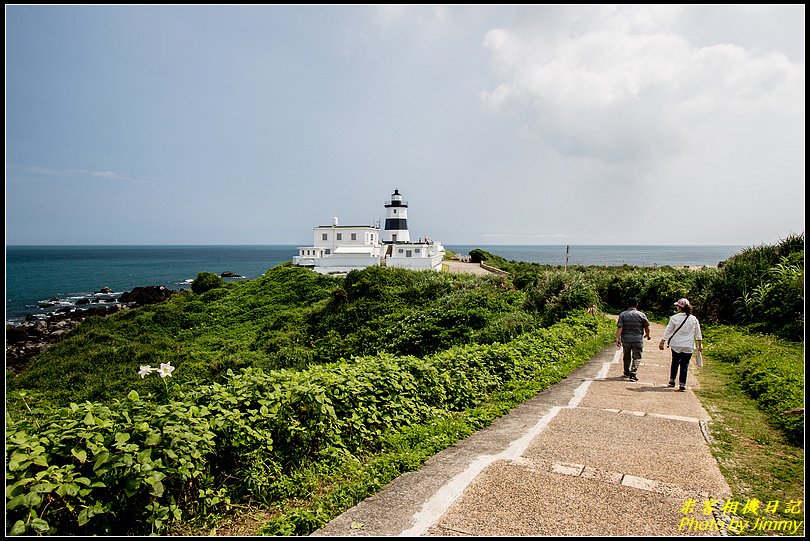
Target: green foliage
point(245, 323)
point(415, 313)
point(128, 468)
point(137, 467)
point(777, 303)
point(481, 256)
point(761, 286)
point(285, 380)
point(770, 370)
point(206, 281)
point(557, 293)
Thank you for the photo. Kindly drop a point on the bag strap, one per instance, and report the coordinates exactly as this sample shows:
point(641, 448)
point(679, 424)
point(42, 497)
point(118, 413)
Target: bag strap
point(679, 328)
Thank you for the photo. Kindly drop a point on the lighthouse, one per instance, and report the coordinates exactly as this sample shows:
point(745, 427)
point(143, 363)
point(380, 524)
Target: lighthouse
point(396, 220)
point(340, 249)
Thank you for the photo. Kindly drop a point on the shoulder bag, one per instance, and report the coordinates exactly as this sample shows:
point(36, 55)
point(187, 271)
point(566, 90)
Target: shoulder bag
point(679, 328)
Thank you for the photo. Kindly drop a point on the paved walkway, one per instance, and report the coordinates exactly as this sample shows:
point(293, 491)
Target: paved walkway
point(592, 455)
point(462, 267)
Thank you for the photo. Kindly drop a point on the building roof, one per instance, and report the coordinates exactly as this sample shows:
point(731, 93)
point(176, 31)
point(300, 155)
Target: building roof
point(346, 227)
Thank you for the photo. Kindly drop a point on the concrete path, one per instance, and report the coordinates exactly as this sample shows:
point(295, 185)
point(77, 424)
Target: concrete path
point(461, 267)
point(594, 455)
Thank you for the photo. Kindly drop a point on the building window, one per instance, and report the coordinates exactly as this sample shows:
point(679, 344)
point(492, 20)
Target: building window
point(327, 251)
point(354, 236)
point(417, 250)
point(325, 236)
point(340, 236)
point(408, 253)
point(401, 250)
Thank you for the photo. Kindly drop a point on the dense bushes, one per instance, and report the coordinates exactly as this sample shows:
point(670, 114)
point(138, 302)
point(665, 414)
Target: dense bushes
point(557, 293)
point(137, 454)
point(296, 370)
point(769, 370)
point(293, 318)
point(761, 287)
point(241, 324)
point(134, 467)
point(206, 281)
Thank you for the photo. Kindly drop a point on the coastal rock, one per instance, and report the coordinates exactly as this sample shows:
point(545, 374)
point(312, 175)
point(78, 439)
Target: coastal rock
point(39, 328)
point(29, 338)
point(229, 274)
point(103, 311)
point(146, 295)
point(104, 290)
point(16, 334)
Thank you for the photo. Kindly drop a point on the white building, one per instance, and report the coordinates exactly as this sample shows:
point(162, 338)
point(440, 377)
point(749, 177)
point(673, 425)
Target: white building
point(338, 249)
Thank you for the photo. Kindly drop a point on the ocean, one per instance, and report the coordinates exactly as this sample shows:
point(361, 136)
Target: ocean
point(610, 255)
point(61, 275)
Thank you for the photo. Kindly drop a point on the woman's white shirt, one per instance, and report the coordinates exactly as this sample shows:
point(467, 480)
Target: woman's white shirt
point(683, 341)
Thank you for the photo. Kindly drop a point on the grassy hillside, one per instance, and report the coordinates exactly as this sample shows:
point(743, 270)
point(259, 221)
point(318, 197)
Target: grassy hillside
point(298, 391)
point(305, 393)
point(288, 318)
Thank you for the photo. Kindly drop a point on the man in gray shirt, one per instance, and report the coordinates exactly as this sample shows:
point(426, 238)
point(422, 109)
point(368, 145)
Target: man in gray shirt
point(631, 330)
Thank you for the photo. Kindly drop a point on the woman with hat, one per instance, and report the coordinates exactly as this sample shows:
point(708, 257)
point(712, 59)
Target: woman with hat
point(683, 336)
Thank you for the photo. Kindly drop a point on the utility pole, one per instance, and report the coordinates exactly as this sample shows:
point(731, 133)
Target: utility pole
point(566, 257)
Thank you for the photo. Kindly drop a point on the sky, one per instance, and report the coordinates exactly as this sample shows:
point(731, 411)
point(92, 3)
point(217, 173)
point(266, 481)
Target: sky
point(521, 124)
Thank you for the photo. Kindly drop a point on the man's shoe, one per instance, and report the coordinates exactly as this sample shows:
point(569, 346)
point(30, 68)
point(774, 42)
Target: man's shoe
point(682, 388)
point(671, 384)
point(633, 378)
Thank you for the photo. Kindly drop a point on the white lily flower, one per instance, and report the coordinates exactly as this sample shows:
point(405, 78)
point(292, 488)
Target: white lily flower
point(165, 369)
point(145, 371)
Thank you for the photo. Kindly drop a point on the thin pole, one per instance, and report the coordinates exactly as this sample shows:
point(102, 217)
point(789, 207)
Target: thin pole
point(566, 257)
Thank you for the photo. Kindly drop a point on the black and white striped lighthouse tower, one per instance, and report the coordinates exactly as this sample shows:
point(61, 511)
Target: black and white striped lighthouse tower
point(396, 220)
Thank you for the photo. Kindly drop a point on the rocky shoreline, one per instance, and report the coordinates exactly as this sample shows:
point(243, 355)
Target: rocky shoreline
point(26, 339)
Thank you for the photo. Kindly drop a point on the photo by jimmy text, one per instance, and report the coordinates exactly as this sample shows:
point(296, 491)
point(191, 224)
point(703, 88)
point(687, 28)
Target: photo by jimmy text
point(739, 525)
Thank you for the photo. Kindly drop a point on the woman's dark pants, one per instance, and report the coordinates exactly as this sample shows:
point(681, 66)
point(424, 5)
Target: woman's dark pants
point(679, 360)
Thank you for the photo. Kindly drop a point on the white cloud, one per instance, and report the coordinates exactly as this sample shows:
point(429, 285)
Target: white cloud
point(79, 173)
point(619, 84)
point(388, 15)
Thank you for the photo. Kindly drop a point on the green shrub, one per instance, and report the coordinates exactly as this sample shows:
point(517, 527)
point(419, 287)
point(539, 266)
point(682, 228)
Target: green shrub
point(128, 469)
point(206, 281)
point(557, 293)
point(762, 285)
point(770, 370)
point(139, 466)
